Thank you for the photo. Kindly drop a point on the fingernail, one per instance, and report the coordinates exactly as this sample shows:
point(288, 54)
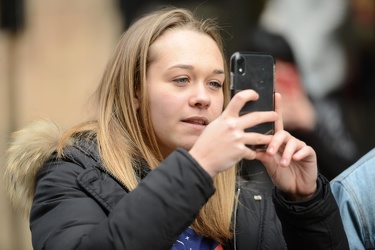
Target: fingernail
point(284, 162)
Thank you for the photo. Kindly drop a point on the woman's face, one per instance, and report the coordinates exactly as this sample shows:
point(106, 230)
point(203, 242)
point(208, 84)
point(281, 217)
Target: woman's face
point(185, 87)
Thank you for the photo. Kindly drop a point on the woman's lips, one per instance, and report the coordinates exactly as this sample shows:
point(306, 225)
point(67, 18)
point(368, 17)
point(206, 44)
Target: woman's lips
point(197, 120)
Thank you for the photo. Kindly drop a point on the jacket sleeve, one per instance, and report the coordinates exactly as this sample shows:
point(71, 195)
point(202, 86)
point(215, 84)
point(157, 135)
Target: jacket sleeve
point(313, 224)
point(151, 216)
point(353, 190)
point(350, 214)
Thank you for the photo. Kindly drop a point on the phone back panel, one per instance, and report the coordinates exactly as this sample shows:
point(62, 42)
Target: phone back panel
point(255, 71)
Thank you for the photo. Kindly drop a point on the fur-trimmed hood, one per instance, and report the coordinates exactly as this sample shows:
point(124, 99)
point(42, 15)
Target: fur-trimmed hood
point(29, 148)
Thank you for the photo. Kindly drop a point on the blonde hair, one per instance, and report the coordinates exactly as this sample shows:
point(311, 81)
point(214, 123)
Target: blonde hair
point(125, 135)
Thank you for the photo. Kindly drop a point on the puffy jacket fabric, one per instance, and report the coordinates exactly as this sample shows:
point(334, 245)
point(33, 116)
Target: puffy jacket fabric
point(78, 205)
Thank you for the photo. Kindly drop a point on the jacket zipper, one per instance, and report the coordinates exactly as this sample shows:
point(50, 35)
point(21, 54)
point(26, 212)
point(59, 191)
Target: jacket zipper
point(235, 219)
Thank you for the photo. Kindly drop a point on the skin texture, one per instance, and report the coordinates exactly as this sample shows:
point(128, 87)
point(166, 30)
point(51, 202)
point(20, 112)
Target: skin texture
point(186, 99)
point(184, 86)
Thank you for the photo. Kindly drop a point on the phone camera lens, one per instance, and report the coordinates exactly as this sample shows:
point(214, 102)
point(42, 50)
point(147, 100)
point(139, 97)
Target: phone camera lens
point(241, 64)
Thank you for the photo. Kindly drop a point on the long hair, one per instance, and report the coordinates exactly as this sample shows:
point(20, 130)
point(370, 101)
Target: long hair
point(125, 135)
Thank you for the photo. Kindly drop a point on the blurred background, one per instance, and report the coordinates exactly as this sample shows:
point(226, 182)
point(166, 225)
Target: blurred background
point(52, 54)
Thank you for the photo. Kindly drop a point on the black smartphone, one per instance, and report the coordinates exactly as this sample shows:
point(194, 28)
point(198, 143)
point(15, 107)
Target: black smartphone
point(250, 70)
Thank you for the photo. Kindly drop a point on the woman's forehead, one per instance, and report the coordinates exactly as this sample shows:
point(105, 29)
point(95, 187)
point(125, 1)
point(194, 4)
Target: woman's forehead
point(185, 44)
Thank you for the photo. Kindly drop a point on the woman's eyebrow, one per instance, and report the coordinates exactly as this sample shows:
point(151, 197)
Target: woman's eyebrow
point(182, 66)
point(190, 67)
point(218, 71)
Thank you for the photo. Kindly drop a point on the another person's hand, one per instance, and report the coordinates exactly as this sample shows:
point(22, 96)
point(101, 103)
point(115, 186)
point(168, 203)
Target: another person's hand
point(291, 164)
point(298, 111)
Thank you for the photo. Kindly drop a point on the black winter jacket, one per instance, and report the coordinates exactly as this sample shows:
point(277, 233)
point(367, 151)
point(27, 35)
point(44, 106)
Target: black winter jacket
point(79, 205)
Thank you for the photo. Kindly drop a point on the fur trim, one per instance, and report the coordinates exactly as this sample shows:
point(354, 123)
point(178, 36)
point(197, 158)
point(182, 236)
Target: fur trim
point(28, 150)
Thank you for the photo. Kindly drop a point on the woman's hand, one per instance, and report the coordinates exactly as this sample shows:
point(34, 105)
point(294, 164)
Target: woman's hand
point(291, 164)
point(222, 143)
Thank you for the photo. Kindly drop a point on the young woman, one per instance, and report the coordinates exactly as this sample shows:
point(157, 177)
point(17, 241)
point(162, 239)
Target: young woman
point(154, 168)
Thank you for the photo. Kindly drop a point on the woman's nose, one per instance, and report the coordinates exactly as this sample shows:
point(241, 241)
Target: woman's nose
point(200, 97)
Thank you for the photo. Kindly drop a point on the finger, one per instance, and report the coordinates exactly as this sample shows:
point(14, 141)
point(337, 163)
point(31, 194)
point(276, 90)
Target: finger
point(239, 100)
point(303, 153)
point(291, 147)
point(279, 122)
point(279, 140)
point(256, 139)
point(254, 118)
point(249, 154)
point(268, 162)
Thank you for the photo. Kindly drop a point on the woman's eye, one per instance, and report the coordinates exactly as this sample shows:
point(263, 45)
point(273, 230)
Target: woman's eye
point(215, 84)
point(181, 80)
